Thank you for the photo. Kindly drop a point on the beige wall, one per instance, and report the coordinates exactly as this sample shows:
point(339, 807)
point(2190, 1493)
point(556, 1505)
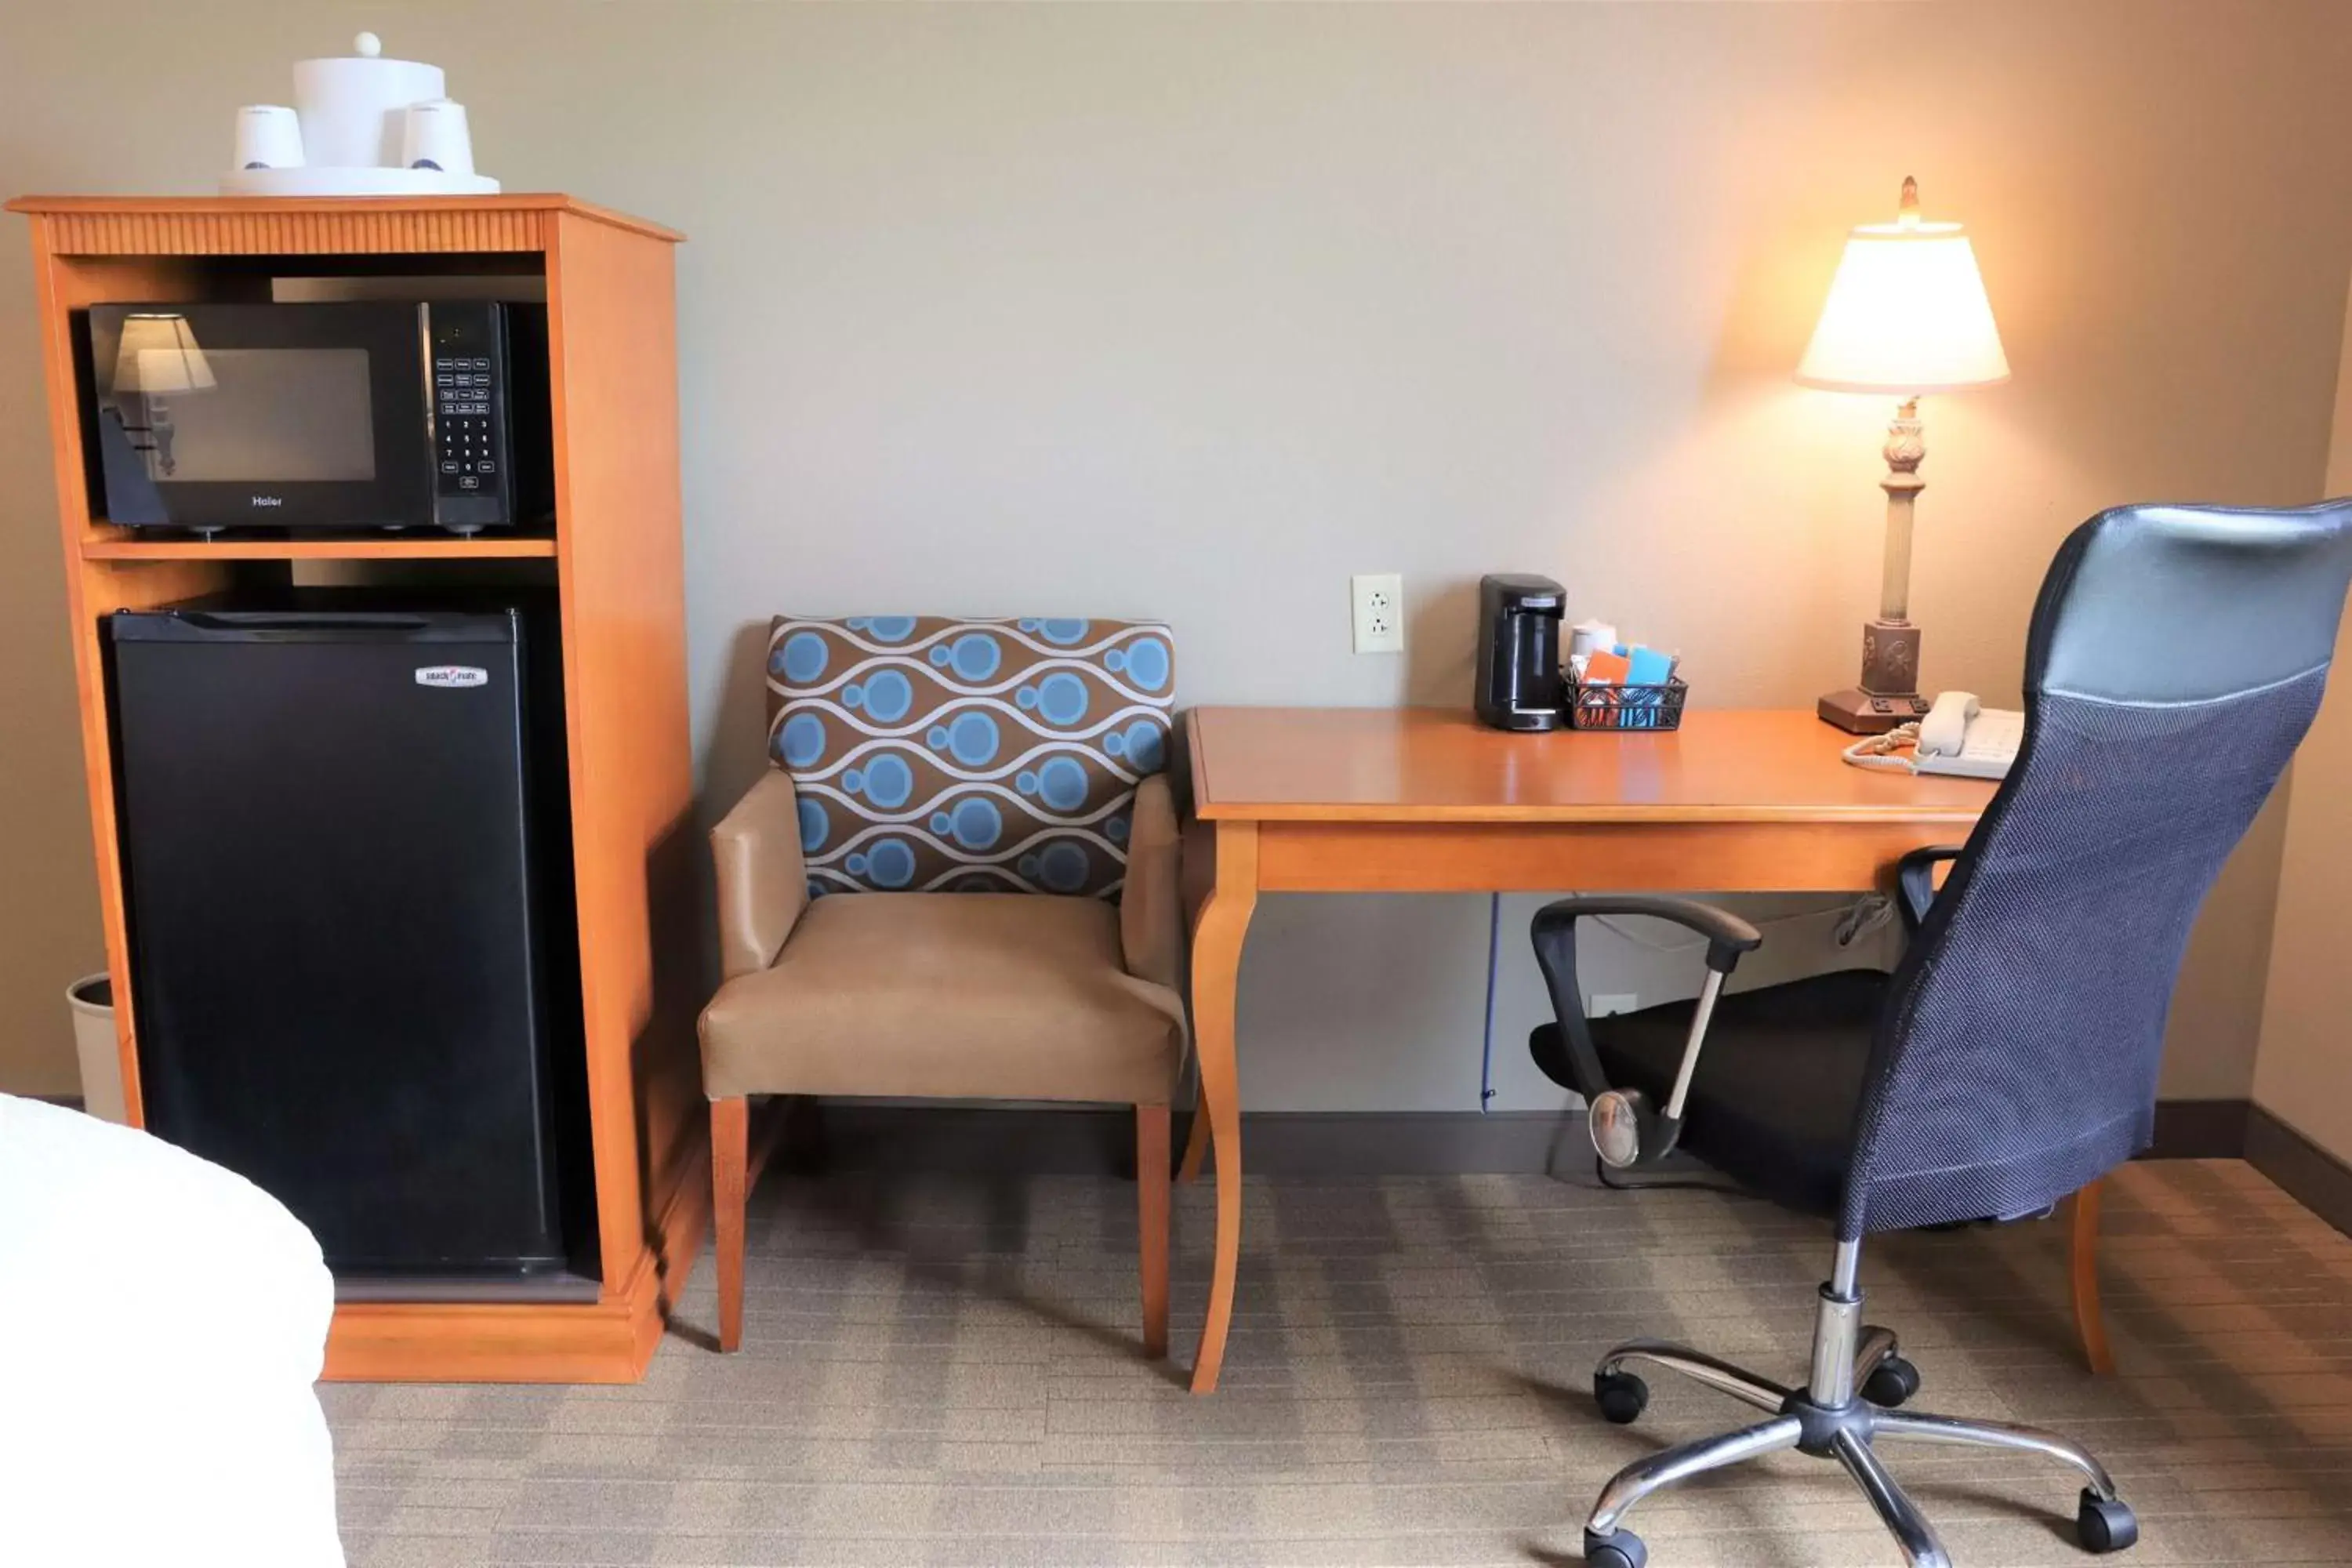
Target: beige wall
point(1191, 312)
point(2303, 1075)
point(49, 899)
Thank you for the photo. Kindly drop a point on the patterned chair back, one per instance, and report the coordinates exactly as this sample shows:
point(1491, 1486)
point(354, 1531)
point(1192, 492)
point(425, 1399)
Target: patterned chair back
point(934, 755)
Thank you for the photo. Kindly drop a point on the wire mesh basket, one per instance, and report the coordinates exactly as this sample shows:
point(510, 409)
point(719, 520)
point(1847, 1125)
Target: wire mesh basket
point(1604, 707)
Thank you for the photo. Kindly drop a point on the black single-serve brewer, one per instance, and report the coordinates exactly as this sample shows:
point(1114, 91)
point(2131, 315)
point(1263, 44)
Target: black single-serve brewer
point(1519, 651)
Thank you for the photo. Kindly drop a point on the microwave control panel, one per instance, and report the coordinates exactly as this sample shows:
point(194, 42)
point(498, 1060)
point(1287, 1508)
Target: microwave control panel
point(472, 461)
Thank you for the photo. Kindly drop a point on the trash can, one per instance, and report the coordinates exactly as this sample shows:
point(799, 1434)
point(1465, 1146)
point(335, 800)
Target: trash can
point(92, 1000)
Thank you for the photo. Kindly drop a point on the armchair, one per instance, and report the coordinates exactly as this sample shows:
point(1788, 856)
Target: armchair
point(917, 901)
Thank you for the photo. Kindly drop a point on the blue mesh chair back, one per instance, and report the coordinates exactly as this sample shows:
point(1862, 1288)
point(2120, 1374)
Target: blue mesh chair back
point(2175, 658)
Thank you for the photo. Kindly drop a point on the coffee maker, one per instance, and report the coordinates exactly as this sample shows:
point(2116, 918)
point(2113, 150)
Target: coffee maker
point(1519, 651)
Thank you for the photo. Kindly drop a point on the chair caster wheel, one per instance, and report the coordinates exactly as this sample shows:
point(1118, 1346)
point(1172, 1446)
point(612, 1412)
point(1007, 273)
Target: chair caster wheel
point(1890, 1383)
point(1618, 1549)
point(1621, 1397)
point(2105, 1526)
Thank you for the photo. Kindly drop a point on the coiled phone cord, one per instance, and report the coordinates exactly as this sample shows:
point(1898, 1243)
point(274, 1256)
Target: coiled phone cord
point(1876, 751)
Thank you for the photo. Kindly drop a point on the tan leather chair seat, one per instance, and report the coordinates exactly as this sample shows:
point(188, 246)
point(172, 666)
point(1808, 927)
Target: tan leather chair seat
point(987, 995)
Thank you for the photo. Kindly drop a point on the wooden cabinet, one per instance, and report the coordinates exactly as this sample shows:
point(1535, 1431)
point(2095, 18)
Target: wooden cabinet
point(614, 559)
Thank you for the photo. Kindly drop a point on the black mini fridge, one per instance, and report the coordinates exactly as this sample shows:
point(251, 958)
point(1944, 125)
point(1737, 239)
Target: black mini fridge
point(346, 858)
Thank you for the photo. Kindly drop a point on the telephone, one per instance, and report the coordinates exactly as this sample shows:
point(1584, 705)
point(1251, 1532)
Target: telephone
point(1959, 736)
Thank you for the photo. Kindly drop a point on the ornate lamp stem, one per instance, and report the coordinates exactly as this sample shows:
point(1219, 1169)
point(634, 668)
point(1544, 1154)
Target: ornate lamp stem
point(1890, 644)
point(1888, 691)
point(1906, 446)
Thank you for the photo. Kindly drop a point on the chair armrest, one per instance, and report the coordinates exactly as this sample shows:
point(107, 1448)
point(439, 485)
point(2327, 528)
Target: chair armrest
point(1915, 882)
point(1151, 909)
point(1728, 936)
point(1553, 932)
point(763, 880)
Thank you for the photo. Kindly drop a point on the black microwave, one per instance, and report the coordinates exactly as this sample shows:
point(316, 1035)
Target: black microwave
point(376, 414)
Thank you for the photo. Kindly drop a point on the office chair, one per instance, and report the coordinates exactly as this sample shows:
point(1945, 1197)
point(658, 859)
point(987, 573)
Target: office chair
point(2175, 659)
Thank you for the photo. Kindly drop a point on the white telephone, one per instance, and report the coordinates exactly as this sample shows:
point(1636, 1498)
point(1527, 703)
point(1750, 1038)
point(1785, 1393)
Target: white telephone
point(1959, 736)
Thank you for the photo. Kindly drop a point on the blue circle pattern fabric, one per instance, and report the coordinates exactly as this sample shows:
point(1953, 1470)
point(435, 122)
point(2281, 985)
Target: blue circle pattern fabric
point(931, 754)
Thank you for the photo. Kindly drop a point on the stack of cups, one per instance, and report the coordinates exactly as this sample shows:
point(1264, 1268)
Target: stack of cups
point(434, 136)
point(269, 136)
point(1590, 637)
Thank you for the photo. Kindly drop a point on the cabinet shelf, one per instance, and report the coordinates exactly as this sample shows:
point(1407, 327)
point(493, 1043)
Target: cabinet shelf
point(479, 548)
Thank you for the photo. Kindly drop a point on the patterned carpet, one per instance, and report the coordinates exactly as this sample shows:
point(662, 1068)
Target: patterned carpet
point(940, 1371)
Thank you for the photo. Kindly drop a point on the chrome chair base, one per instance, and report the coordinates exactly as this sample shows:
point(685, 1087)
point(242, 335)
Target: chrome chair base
point(1828, 1420)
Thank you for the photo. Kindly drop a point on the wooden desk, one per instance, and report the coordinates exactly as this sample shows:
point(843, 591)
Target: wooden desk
point(1324, 800)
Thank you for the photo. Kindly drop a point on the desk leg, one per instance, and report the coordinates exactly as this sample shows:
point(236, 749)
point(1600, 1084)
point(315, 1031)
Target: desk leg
point(2083, 1257)
point(1216, 974)
point(1196, 1143)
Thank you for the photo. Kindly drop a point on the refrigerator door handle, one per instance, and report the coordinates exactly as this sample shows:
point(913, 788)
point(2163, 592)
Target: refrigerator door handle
point(299, 621)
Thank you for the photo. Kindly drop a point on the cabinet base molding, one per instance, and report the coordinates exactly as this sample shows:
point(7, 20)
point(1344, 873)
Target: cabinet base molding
point(609, 1341)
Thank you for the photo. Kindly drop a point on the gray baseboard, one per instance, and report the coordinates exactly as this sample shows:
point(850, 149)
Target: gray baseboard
point(861, 1135)
point(2200, 1129)
point(2307, 1172)
point(849, 1135)
point(865, 1136)
point(854, 1135)
point(1410, 1142)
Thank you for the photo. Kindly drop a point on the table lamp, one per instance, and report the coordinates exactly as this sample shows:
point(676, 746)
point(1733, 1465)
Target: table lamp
point(1906, 316)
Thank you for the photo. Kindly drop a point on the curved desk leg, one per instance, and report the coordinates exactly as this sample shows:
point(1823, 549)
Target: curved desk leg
point(1196, 1140)
point(2082, 1252)
point(1216, 974)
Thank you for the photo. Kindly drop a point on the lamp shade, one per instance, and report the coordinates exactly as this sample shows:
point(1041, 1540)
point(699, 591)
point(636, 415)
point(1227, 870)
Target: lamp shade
point(1907, 314)
point(159, 353)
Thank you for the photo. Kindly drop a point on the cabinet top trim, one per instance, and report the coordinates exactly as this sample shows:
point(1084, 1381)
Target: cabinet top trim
point(166, 225)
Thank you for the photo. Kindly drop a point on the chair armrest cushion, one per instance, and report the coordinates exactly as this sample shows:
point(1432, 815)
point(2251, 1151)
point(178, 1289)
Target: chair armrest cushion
point(762, 882)
point(1728, 936)
point(1150, 911)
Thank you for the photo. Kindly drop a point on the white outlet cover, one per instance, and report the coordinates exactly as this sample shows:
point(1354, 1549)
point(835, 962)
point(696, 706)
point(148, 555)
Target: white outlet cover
point(1378, 602)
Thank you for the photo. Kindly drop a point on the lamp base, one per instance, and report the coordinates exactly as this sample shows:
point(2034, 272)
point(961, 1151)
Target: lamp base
point(1860, 712)
point(1890, 667)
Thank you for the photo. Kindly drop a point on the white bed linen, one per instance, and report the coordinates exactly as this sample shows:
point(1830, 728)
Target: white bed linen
point(162, 1323)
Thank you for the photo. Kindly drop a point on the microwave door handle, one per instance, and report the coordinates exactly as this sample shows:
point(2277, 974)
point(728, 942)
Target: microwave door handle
point(432, 409)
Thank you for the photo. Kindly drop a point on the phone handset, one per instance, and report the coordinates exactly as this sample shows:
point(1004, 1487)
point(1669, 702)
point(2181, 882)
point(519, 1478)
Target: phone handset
point(1945, 730)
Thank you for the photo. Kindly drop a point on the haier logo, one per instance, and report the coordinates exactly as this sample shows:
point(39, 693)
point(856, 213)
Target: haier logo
point(452, 676)
point(268, 500)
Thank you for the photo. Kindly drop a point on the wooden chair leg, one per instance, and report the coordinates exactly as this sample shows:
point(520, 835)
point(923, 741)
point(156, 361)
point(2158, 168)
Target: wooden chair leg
point(2083, 1255)
point(1151, 1222)
point(731, 1155)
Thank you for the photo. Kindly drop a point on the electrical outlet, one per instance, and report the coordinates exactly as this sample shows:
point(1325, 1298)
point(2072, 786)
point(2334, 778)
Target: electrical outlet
point(1608, 1002)
point(1380, 611)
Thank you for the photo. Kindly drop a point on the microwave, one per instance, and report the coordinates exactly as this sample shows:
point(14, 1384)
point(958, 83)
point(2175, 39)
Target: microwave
point(375, 414)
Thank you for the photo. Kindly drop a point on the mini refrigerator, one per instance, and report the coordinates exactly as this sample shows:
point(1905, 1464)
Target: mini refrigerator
point(347, 872)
